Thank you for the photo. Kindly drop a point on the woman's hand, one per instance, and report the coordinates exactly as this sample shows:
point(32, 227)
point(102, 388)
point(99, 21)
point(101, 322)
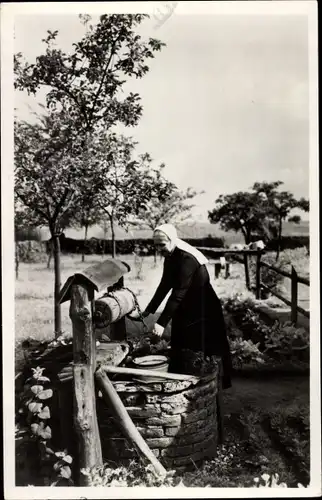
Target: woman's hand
point(158, 330)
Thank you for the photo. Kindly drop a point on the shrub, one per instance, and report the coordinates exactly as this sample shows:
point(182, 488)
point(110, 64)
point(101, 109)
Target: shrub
point(31, 251)
point(289, 242)
point(282, 342)
point(53, 466)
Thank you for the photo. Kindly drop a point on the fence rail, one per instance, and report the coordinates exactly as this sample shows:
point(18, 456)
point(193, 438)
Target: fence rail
point(293, 276)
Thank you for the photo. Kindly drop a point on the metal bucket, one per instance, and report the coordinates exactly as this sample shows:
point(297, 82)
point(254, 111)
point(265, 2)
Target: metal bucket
point(153, 362)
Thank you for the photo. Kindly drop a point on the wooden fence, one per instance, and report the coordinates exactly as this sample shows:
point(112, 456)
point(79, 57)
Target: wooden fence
point(259, 285)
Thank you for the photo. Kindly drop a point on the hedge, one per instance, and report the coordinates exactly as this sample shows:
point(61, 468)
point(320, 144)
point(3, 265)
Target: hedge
point(146, 247)
point(123, 247)
point(289, 242)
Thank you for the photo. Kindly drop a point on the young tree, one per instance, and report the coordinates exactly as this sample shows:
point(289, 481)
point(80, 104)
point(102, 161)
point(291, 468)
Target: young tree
point(87, 81)
point(84, 86)
point(172, 207)
point(124, 182)
point(46, 179)
point(242, 211)
point(280, 203)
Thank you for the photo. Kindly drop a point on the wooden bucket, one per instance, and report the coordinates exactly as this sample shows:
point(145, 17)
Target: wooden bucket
point(152, 362)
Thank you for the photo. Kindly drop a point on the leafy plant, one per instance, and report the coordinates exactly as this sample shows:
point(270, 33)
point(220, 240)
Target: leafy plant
point(244, 351)
point(277, 342)
point(135, 474)
point(55, 465)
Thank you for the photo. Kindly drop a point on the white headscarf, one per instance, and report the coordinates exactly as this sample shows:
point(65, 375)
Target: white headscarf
point(170, 231)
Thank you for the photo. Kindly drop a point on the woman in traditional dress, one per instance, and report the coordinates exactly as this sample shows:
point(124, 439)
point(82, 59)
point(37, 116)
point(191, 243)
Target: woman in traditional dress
point(193, 306)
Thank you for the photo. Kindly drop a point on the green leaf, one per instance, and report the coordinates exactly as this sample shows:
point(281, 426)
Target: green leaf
point(45, 413)
point(47, 394)
point(34, 428)
point(68, 459)
point(45, 433)
point(34, 407)
point(65, 472)
point(36, 389)
point(58, 465)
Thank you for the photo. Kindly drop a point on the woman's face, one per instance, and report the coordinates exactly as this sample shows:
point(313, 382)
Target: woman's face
point(162, 244)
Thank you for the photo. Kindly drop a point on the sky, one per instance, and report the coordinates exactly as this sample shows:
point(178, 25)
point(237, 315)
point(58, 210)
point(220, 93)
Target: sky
point(226, 102)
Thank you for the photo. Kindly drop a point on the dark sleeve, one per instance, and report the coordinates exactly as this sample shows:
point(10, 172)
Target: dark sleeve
point(162, 290)
point(187, 267)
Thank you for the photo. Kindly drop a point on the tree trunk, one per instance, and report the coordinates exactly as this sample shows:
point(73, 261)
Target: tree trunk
point(17, 261)
point(104, 240)
point(113, 236)
point(56, 245)
point(155, 257)
point(85, 239)
point(279, 239)
point(50, 254)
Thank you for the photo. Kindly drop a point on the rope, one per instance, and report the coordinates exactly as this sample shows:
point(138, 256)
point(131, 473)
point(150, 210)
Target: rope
point(136, 304)
point(139, 310)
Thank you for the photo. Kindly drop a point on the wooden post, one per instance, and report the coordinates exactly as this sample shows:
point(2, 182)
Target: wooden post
point(227, 268)
point(246, 271)
point(217, 266)
point(125, 422)
point(258, 275)
point(294, 296)
point(85, 418)
point(219, 404)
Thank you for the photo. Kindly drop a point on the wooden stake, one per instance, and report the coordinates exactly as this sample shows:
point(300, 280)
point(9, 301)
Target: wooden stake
point(125, 422)
point(258, 275)
point(85, 418)
point(246, 271)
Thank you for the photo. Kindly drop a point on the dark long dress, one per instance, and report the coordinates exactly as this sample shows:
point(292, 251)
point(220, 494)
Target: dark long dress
point(194, 308)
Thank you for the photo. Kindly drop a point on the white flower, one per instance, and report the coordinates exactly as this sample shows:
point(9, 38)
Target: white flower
point(265, 477)
point(256, 479)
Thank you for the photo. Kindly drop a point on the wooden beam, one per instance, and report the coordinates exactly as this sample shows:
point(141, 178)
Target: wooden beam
point(85, 418)
point(125, 422)
point(146, 373)
point(276, 294)
point(228, 251)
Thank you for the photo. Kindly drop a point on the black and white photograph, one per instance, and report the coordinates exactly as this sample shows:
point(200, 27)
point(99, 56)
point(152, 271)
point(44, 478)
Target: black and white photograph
point(160, 255)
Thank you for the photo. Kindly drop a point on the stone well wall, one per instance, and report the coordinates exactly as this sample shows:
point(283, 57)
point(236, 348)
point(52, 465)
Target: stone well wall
point(178, 420)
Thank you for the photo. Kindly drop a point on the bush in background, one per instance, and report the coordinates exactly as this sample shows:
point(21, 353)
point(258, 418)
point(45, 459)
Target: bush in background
point(125, 247)
point(31, 251)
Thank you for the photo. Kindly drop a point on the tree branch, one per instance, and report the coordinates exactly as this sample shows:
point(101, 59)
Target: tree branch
point(103, 77)
point(29, 205)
